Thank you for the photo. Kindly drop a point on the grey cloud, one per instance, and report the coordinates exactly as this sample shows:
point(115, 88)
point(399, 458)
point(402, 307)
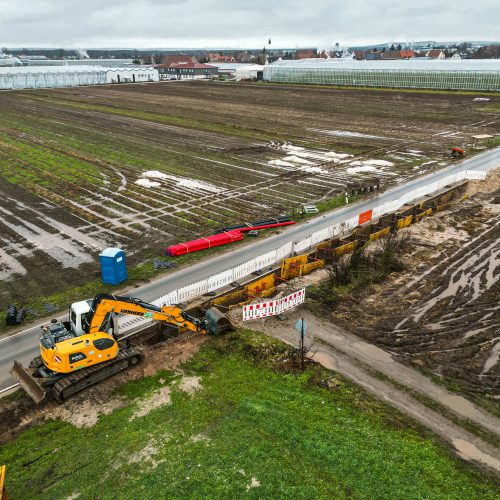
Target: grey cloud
point(194, 23)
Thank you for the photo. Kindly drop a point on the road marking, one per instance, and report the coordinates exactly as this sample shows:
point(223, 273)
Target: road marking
point(13, 386)
point(25, 331)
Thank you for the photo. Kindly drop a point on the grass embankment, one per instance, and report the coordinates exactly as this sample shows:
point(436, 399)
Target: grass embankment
point(251, 429)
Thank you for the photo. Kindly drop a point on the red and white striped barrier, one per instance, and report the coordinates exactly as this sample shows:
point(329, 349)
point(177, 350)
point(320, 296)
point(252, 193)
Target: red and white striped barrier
point(273, 307)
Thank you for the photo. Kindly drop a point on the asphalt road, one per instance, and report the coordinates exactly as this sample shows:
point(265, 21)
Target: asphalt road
point(23, 346)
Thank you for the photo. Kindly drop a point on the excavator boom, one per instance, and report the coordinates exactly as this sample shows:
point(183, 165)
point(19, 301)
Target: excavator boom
point(104, 305)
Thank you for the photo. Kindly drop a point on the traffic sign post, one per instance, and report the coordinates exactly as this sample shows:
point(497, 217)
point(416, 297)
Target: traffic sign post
point(301, 327)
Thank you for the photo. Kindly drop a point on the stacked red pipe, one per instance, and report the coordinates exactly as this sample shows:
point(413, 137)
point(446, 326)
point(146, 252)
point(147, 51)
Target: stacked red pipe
point(217, 239)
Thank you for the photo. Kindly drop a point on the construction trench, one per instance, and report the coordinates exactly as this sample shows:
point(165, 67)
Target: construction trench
point(332, 353)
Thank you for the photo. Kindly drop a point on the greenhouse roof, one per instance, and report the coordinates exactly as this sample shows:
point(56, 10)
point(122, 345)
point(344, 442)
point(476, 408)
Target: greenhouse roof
point(403, 64)
point(29, 70)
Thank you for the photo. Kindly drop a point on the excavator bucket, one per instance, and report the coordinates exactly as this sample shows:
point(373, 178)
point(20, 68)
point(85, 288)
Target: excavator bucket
point(217, 322)
point(30, 384)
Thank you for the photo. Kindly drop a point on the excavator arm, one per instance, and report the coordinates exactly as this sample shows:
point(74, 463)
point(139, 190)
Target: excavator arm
point(104, 305)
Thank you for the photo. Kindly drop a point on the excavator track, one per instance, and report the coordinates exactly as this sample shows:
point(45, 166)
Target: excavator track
point(81, 379)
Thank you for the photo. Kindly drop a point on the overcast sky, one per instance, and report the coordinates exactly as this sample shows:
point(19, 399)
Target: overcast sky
point(242, 23)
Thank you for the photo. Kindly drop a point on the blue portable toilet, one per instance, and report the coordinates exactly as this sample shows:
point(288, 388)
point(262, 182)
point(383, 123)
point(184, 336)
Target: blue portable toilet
point(113, 266)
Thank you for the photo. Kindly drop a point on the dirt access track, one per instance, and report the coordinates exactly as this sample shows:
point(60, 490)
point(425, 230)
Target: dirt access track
point(144, 166)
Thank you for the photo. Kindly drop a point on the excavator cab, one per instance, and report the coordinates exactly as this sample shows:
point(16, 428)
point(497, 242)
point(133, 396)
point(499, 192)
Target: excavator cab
point(80, 317)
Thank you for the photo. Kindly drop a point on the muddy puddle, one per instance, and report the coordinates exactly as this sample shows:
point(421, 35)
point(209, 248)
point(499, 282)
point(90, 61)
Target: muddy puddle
point(469, 452)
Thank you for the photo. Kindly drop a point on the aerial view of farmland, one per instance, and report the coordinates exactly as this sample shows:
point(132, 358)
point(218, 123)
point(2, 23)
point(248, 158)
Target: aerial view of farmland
point(146, 166)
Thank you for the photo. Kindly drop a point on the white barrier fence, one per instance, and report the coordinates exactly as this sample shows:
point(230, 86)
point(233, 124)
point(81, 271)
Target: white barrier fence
point(220, 280)
point(224, 278)
point(273, 307)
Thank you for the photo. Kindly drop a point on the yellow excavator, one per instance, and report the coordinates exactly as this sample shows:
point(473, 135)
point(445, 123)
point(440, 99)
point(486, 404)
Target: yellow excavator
point(84, 350)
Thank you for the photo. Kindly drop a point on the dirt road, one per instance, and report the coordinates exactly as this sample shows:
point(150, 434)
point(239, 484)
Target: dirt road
point(348, 355)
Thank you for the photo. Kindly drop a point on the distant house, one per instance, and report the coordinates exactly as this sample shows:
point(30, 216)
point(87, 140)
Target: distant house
point(435, 54)
point(360, 55)
point(390, 54)
point(177, 59)
point(305, 54)
point(186, 71)
point(456, 56)
point(245, 57)
point(373, 55)
point(407, 54)
point(216, 57)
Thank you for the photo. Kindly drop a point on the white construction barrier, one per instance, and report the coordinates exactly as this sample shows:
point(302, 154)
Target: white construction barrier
point(321, 235)
point(351, 223)
point(292, 300)
point(335, 230)
point(268, 259)
point(261, 310)
point(284, 251)
point(126, 323)
point(191, 291)
point(244, 269)
point(167, 300)
point(302, 245)
point(220, 280)
point(479, 175)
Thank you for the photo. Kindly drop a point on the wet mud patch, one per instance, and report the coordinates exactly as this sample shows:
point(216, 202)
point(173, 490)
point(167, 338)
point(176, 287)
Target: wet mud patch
point(442, 314)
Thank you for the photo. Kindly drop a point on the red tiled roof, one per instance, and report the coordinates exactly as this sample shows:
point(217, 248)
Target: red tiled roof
point(407, 54)
point(177, 59)
point(434, 53)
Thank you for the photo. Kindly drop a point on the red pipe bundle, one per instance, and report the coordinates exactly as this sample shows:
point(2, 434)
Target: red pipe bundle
point(217, 239)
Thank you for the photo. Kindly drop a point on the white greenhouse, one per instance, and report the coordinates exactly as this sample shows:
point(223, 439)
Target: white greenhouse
point(132, 74)
point(107, 63)
point(465, 74)
point(250, 72)
point(50, 76)
point(33, 77)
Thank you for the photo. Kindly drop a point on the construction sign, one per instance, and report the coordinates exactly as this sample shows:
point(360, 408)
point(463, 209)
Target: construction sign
point(273, 307)
point(365, 217)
